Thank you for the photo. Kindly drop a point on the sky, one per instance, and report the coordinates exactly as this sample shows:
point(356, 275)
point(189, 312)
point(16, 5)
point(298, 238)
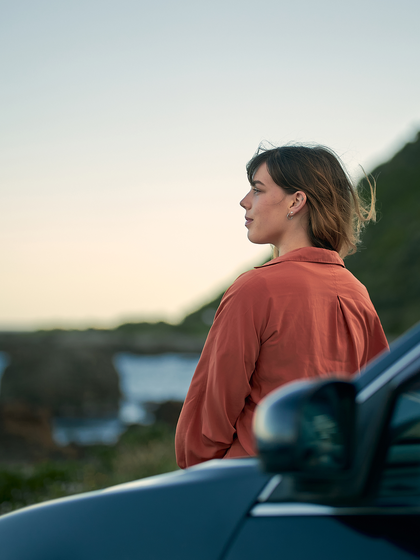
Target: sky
point(125, 128)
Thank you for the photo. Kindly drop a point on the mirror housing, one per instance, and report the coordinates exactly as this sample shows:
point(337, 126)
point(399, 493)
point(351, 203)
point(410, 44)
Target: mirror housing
point(307, 427)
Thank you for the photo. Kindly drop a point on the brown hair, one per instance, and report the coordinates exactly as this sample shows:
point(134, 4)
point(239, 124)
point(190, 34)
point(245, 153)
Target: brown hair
point(337, 213)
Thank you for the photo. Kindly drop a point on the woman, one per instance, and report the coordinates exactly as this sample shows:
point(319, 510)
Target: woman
point(302, 314)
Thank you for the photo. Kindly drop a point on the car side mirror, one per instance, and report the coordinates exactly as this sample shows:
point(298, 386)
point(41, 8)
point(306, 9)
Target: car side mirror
point(307, 427)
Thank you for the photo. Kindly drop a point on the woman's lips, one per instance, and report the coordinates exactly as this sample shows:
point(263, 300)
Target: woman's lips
point(248, 221)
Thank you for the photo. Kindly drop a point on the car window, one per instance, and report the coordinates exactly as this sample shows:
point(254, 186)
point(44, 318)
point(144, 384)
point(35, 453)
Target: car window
point(401, 476)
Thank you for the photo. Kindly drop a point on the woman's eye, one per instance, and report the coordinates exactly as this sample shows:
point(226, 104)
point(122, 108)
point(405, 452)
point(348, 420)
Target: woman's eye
point(255, 190)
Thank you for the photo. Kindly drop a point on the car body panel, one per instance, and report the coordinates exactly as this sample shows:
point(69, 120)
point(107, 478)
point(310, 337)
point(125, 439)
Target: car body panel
point(325, 536)
point(187, 514)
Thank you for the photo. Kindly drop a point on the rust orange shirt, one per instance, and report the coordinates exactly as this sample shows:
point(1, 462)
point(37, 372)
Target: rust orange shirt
point(300, 315)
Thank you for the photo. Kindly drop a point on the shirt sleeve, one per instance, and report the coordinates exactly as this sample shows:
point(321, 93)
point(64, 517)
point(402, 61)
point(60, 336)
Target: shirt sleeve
point(221, 382)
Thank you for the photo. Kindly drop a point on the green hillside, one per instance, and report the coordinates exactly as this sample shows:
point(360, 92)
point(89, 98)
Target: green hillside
point(388, 262)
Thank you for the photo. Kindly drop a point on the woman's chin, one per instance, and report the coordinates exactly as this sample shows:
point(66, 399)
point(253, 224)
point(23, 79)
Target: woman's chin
point(257, 240)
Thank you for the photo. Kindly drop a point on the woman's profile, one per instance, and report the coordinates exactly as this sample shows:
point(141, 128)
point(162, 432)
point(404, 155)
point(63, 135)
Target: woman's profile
point(302, 314)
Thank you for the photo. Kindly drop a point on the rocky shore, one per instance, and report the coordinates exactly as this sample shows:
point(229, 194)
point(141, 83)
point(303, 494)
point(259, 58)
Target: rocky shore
point(71, 374)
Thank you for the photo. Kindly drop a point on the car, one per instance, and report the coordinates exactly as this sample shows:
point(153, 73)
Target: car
point(337, 476)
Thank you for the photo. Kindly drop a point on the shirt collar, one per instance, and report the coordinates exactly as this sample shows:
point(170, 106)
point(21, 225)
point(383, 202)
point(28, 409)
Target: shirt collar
point(308, 254)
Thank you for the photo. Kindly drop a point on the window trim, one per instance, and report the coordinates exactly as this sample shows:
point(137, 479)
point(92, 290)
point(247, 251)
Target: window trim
point(303, 509)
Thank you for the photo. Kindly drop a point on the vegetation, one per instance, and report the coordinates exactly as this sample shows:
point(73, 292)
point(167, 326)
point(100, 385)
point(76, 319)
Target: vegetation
point(160, 328)
point(196, 323)
point(388, 262)
point(142, 451)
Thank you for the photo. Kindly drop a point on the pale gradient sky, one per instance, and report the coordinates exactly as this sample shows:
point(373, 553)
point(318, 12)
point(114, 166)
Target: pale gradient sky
point(126, 126)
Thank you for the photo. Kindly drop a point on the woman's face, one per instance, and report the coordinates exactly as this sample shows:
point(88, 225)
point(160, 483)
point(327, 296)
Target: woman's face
point(267, 206)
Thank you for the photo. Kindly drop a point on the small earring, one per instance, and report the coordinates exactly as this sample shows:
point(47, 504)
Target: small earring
point(289, 216)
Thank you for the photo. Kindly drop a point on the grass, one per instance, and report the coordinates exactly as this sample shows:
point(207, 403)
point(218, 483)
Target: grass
point(142, 451)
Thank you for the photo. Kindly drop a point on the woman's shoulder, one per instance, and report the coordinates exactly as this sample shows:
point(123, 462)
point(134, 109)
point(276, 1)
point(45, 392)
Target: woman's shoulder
point(248, 292)
point(260, 275)
point(250, 278)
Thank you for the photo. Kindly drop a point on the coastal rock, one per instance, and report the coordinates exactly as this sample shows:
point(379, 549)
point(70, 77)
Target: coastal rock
point(29, 423)
point(26, 435)
point(166, 412)
point(66, 379)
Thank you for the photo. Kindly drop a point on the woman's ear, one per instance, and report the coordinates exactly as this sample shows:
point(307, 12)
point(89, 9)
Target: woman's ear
point(298, 201)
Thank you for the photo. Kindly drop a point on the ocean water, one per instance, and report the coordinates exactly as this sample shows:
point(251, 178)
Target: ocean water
point(143, 379)
point(4, 360)
point(87, 431)
point(153, 379)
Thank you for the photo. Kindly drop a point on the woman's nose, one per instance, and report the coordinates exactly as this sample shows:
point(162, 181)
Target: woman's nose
point(245, 202)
